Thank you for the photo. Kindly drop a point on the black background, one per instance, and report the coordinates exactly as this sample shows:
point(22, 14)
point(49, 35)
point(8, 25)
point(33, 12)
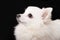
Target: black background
point(9, 18)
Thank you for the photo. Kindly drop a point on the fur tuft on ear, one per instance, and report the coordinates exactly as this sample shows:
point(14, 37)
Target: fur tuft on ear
point(46, 14)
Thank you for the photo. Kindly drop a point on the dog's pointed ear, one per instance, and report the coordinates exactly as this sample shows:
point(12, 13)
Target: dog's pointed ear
point(46, 13)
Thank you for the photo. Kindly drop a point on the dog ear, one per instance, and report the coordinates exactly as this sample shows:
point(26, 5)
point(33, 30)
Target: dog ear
point(46, 14)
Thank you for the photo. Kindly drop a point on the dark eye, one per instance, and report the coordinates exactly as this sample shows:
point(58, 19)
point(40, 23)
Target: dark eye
point(30, 15)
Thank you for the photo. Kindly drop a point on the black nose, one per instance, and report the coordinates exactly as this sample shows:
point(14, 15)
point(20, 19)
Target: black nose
point(18, 15)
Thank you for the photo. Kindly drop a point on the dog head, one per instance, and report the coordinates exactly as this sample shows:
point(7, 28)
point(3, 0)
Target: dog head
point(34, 15)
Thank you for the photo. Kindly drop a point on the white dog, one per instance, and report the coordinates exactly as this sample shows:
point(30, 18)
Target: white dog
point(36, 24)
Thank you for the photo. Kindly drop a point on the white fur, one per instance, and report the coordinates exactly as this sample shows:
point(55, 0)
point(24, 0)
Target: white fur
point(40, 27)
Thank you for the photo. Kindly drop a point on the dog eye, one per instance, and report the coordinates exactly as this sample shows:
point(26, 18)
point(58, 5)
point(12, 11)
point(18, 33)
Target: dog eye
point(30, 15)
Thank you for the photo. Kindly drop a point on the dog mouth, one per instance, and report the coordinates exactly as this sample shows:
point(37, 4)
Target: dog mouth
point(19, 21)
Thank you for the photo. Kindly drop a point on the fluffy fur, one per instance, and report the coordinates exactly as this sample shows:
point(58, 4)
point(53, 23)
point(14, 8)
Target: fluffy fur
point(39, 26)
